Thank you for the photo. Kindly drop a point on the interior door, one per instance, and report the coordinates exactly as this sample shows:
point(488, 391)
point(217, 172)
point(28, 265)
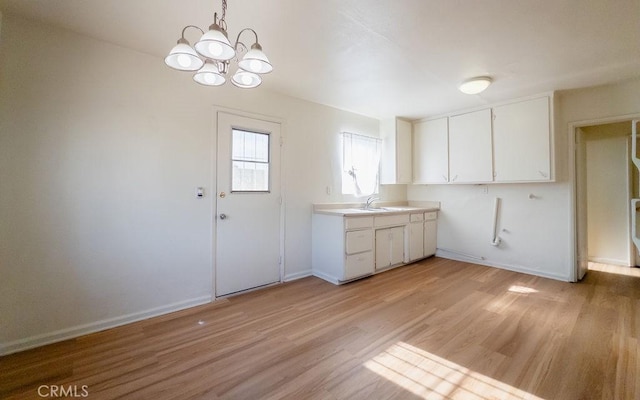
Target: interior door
point(248, 204)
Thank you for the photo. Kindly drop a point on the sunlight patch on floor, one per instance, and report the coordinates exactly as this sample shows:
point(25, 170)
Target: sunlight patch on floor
point(522, 289)
point(431, 377)
point(614, 269)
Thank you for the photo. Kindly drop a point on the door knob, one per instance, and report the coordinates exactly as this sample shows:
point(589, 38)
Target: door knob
point(223, 216)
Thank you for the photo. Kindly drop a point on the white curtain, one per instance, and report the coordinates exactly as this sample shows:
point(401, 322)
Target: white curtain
point(361, 164)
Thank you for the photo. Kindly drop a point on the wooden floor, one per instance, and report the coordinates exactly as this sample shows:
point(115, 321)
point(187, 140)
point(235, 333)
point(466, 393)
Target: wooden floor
point(437, 329)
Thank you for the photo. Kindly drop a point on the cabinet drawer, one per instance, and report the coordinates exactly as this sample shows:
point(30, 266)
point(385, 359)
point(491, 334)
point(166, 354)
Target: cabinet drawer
point(358, 265)
point(359, 241)
point(417, 217)
point(387, 220)
point(358, 222)
point(430, 215)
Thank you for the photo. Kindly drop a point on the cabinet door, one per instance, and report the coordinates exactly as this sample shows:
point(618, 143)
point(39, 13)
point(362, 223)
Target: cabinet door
point(383, 248)
point(470, 149)
point(430, 237)
point(397, 246)
point(521, 138)
point(395, 161)
point(358, 265)
point(403, 151)
point(389, 247)
point(416, 241)
point(431, 151)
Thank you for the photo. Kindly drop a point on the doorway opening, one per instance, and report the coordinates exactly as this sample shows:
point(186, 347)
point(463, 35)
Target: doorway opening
point(606, 181)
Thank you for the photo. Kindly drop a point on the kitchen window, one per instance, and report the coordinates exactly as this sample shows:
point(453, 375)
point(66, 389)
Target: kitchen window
point(360, 164)
point(249, 161)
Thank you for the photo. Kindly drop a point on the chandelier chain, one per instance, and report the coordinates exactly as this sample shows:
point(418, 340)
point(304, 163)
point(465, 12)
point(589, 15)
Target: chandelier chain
point(224, 9)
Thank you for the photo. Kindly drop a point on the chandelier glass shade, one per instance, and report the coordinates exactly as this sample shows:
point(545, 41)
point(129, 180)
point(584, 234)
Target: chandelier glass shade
point(183, 57)
point(213, 53)
point(209, 75)
point(246, 79)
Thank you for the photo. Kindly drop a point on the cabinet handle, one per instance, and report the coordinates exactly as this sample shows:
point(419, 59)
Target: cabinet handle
point(454, 178)
point(544, 174)
point(445, 178)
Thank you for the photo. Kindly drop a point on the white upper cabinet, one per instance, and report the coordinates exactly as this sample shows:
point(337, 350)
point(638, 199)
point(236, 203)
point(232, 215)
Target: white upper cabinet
point(470, 148)
point(431, 151)
point(521, 140)
point(395, 162)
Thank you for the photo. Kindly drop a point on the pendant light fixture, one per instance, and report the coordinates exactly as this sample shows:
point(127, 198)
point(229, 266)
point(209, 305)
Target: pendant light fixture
point(211, 56)
point(475, 85)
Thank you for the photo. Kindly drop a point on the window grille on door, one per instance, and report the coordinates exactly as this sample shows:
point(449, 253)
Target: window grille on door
point(249, 161)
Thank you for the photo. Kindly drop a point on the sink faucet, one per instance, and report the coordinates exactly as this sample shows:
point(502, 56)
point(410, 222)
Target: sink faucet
point(370, 201)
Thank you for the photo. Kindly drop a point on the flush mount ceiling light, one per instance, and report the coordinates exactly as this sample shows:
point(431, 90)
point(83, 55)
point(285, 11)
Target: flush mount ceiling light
point(475, 85)
point(211, 56)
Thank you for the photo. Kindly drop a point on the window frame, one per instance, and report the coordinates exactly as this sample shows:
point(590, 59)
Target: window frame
point(267, 163)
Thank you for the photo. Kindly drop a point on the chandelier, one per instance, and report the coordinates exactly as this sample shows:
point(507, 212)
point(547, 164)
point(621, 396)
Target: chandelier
point(211, 56)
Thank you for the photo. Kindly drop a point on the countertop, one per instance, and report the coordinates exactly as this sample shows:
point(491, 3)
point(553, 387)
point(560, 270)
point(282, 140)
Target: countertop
point(387, 210)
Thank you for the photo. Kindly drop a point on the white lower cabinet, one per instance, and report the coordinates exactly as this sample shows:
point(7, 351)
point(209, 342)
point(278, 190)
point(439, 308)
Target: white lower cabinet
point(345, 248)
point(416, 237)
point(430, 234)
point(342, 247)
point(423, 235)
point(389, 247)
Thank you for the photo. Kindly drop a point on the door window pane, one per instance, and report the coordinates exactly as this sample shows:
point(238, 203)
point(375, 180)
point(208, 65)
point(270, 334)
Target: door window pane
point(249, 161)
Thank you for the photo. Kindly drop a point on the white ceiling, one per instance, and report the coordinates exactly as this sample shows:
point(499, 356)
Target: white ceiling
point(386, 58)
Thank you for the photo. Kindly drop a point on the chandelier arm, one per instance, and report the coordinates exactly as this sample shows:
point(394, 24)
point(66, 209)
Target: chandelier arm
point(238, 38)
point(191, 26)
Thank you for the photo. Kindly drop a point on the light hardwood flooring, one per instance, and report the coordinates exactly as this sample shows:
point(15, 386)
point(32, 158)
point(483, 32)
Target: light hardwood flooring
point(435, 329)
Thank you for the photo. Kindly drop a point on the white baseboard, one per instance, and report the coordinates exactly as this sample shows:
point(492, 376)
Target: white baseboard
point(73, 332)
point(326, 277)
point(609, 261)
point(297, 275)
point(489, 263)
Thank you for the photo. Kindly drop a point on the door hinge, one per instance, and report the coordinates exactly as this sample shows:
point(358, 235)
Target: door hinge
point(280, 260)
point(281, 141)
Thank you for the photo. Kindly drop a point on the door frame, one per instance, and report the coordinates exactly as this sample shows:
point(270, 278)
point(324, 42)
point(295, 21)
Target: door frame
point(214, 190)
point(575, 162)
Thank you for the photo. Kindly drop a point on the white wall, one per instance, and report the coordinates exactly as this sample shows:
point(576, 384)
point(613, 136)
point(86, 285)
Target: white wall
point(539, 236)
point(101, 148)
point(608, 200)
point(533, 231)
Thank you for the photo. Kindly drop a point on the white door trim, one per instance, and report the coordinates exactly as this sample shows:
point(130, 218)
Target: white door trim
point(214, 185)
point(574, 126)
